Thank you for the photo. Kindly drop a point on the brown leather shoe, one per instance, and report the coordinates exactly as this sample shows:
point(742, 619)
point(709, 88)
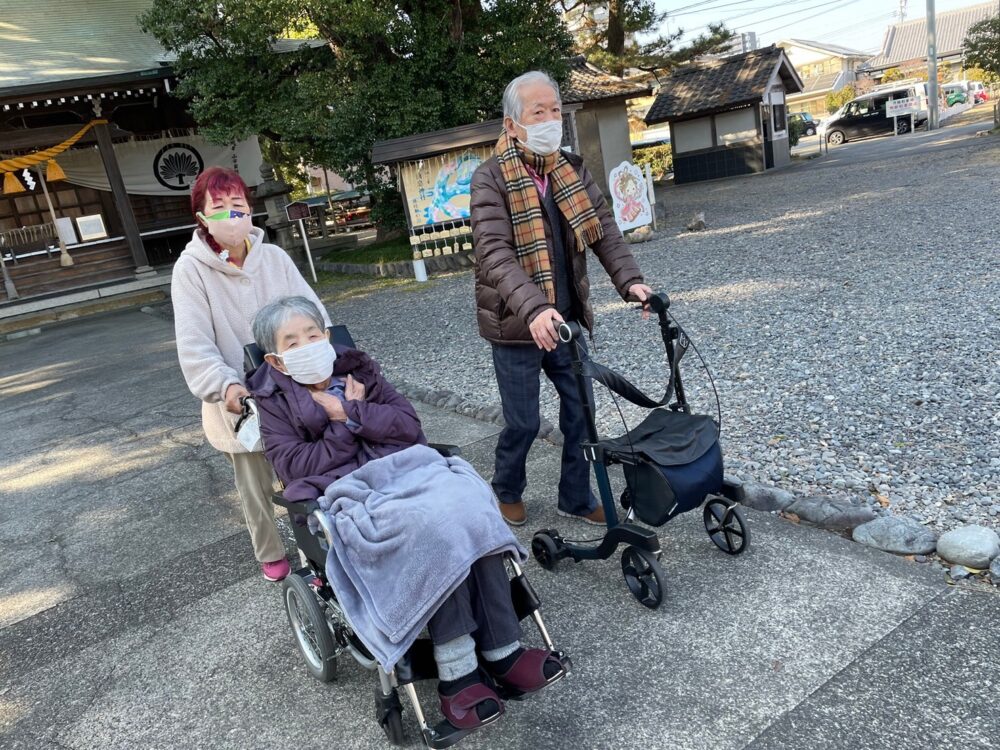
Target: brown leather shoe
point(514, 513)
point(595, 517)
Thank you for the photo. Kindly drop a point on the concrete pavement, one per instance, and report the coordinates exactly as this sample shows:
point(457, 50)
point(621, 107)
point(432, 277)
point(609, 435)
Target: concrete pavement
point(132, 613)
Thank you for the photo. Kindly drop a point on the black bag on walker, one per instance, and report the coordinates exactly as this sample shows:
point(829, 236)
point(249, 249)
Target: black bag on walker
point(672, 460)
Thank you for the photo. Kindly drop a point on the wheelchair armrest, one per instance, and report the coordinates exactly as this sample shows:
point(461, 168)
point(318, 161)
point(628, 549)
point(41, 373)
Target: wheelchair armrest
point(301, 507)
point(445, 449)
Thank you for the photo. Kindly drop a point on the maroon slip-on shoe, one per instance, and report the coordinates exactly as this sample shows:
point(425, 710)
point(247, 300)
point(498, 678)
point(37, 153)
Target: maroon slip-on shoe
point(460, 709)
point(527, 674)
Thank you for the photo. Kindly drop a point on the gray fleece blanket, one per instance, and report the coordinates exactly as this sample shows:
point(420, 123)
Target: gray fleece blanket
point(407, 527)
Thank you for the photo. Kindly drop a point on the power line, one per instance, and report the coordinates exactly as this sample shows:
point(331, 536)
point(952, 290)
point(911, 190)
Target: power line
point(799, 20)
point(700, 7)
point(857, 24)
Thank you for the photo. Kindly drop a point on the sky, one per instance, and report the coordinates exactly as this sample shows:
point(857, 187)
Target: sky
point(859, 24)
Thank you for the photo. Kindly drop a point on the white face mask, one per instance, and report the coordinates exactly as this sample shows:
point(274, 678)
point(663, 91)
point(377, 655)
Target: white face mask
point(543, 137)
point(310, 364)
point(231, 231)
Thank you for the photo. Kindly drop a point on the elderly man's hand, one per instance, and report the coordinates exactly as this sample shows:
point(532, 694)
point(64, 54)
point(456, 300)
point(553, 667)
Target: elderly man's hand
point(332, 405)
point(642, 293)
point(543, 329)
point(233, 395)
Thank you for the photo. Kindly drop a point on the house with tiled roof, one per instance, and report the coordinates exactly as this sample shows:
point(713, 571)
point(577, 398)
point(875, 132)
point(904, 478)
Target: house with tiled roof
point(114, 202)
point(824, 69)
point(727, 116)
point(905, 44)
point(596, 115)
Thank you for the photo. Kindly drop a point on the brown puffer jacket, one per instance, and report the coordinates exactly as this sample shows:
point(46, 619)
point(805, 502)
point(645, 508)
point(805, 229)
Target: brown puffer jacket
point(507, 300)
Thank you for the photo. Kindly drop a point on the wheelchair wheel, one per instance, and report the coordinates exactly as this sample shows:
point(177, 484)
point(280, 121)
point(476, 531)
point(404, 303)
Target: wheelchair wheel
point(544, 549)
point(644, 576)
point(393, 729)
point(389, 713)
point(313, 637)
point(726, 526)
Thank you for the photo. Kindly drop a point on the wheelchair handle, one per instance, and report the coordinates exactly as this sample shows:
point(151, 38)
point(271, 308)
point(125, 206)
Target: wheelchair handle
point(324, 524)
point(568, 331)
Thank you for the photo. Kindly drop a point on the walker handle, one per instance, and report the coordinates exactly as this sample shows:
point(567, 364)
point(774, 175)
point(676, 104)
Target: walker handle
point(569, 331)
point(658, 302)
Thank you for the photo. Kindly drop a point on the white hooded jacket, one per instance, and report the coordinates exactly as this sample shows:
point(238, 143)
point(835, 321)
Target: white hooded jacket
point(214, 306)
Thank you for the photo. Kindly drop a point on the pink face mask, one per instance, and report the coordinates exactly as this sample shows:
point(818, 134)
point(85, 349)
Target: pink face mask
point(229, 228)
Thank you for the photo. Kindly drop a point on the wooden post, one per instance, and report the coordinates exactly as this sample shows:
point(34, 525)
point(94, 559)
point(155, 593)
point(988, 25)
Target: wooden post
point(117, 184)
point(64, 257)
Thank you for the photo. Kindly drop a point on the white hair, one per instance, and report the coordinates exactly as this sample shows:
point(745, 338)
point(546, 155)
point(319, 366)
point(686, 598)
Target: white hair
point(275, 314)
point(513, 107)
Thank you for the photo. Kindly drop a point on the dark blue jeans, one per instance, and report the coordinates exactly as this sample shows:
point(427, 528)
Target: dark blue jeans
point(518, 369)
point(480, 606)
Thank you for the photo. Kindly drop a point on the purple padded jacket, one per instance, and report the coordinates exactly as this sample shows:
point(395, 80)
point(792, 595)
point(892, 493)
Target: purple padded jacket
point(306, 449)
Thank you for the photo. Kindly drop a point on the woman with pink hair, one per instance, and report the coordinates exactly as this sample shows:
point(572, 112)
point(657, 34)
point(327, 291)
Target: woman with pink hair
point(227, 272)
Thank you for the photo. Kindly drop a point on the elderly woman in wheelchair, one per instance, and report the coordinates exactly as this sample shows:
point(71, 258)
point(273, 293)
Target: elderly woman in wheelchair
point(411, 536)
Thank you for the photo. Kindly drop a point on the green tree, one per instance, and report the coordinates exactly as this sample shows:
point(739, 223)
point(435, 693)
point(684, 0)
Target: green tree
point(982, 45)
point(975, 73)
point(608, 31)
point(837, 99)
point(366, 71)
point(892, 74)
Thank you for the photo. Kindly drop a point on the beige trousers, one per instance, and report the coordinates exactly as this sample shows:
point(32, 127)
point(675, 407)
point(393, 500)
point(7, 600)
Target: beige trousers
point(255, 483)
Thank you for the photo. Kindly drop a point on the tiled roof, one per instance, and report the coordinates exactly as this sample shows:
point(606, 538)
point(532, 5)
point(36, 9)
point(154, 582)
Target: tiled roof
point(820, 83)
point(44, 41)
point(716, 85)
point(834, 50)
point(588, 83)
point(908, 40)
point(50, 41)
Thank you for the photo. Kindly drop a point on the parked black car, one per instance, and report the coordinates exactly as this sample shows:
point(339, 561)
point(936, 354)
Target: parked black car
point(866, 115)
point(808, 123)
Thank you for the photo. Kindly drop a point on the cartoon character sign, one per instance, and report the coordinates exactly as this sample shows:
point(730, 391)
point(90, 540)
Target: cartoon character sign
point(631, 201)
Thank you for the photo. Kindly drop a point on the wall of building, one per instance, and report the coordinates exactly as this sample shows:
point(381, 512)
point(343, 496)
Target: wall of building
point(616, 146)
point(602, 130)
point(720, 145)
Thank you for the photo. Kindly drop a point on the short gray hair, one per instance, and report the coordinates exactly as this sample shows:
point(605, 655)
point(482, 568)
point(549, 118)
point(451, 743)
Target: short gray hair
point(513, 107)
point(275, 314)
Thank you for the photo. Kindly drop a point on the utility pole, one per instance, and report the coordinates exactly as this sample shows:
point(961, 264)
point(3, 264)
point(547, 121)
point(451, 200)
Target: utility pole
point(932, 82)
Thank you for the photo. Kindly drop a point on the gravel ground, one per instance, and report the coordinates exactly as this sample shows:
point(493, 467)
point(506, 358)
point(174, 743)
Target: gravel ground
point(850, 316)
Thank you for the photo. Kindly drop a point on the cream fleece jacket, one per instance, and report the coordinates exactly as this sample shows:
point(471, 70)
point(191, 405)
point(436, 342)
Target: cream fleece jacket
point(214, 306)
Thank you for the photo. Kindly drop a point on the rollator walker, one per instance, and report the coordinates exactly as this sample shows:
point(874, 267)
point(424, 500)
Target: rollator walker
point(672, 463)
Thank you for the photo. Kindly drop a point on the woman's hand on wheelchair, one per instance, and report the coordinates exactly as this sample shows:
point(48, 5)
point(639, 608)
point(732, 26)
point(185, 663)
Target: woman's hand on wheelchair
point(234, 393)
point(332, 405)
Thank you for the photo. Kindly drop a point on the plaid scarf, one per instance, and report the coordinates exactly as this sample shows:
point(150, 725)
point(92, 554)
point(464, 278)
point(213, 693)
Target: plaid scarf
point(526, 208)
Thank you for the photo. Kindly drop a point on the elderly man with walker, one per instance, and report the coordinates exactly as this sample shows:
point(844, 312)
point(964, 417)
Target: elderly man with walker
point(535, 210)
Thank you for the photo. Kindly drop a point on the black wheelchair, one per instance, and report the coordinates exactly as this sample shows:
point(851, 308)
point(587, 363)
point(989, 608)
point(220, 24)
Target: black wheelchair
point(322, 630)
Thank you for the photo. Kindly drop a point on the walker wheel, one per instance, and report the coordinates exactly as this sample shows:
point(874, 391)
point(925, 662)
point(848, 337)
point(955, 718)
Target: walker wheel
point(644, 576)
point(312, 635)
point(545, 549)
point(726, 526)
point(626, 498)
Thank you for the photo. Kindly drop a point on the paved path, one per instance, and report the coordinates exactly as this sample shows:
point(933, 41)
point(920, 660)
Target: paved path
point(133, 616)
